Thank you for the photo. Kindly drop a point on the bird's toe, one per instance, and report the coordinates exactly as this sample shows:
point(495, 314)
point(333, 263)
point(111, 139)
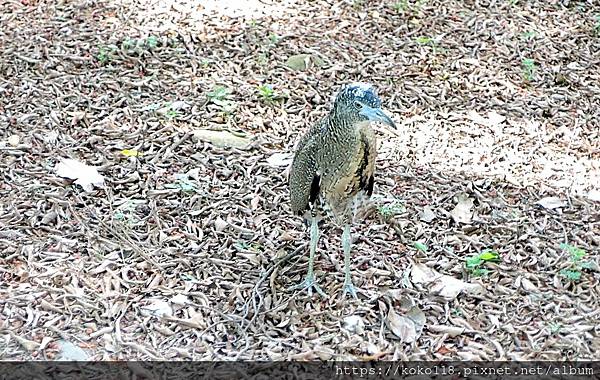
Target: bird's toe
point(349, 288)
point(309, 284)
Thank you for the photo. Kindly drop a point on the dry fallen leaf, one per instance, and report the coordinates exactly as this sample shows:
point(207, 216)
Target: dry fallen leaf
point(180, 299)
point(462, 211)
point(157, 308)
point(528, 285)
point(303, 61)
point(452, 331)
point(280, 159)
point(403, 327)
point(254, 202)
point(84, 175)
point(71, 352)
point(593, 195)
point(222, 138)
point(421, 273)
point(443, 285)
point(551, 203)
point(443, 350)
point(175, 106)
point(144, 239)
point(220, 224)
point(406, 327)
point(324, 352)
point(308, 355)
point(450, 287)
point(494, 118)
point(27, 344)
point(77, 116)
point(427, 215)
point(197, 321)
point(418, 317)
point(353, 324)
point(13, 140)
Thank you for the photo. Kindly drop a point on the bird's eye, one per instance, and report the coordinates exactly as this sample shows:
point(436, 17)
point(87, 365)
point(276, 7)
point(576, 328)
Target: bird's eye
point(357, 105)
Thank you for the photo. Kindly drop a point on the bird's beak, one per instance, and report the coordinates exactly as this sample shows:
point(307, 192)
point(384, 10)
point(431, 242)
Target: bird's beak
point(376, 114)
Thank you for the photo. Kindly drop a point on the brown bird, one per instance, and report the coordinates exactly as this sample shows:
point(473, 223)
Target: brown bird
point(333, 169)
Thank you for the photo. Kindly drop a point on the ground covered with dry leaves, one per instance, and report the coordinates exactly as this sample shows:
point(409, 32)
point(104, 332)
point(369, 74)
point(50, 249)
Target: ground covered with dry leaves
point(480, 243)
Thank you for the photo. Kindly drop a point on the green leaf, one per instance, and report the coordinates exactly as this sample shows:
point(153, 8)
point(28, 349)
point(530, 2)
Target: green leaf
point(389, 210)
point(424, 40)
point(528, 62)
point(131, 153)
point(401, 6)
point(183, 185)
point(420, 246)
point(187, 186)
point(152, 42)
point(473, 262)
point(529, 35)
point(218, 93)
point(266, 92)
point(128, 43)
point(241, 245)
point(555, 327)
point(573, 275)
point(489, 256)
point(187, 277)
point(576, 253)
point(480, 272)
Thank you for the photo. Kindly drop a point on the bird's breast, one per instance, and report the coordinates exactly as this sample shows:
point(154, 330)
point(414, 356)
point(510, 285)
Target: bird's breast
point(351, 171)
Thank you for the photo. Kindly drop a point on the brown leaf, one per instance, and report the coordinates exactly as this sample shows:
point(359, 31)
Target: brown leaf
point(443, 350)
point(452, 331)
point(406, 327)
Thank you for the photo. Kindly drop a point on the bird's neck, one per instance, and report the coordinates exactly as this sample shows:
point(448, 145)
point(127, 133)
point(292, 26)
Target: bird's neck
point(341, 124)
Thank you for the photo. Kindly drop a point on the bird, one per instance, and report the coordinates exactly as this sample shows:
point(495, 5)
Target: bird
point(333, 169)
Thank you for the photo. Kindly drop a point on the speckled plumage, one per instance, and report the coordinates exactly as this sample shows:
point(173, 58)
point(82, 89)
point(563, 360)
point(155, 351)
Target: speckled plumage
point(335, 160)
point(335, 163)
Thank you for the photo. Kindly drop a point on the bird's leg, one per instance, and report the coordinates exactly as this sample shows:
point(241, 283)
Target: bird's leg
point(309, 282)
point(346, 242)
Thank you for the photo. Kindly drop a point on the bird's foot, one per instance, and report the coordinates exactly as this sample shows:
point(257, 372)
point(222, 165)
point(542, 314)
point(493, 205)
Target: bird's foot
point(349, 288)
point(309, 284)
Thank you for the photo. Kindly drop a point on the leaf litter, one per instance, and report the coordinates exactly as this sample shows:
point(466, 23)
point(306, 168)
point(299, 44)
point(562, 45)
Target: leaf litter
point(84, 175)
point(204, 266)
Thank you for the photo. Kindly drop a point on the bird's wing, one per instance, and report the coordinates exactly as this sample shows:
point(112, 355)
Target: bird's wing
point(304, 181)
point(367, 169)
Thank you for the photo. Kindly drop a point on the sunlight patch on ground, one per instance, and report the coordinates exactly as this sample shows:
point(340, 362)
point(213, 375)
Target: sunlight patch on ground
point(246, 8)
point(153, 12)
point(522, 153)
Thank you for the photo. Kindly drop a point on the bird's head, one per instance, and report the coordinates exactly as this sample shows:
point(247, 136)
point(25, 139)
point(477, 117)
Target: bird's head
point(359, 102)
